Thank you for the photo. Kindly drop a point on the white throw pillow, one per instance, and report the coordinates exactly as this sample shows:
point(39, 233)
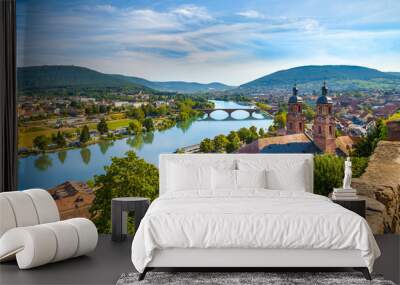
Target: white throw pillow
point(224, 179)
point(185, 178)
point(251, 178)
point(291, 178)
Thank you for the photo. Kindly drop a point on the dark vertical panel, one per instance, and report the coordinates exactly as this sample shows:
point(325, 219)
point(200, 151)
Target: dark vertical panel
point(8, 101)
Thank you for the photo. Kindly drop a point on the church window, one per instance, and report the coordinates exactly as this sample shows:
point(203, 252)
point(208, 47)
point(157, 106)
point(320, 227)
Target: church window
point(319, 130)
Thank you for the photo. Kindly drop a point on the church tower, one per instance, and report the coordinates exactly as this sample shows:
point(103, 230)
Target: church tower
point(324, 123)
point(295, 117)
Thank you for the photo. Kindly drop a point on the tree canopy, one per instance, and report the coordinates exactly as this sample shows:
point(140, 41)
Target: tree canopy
point(102, 126)
point(128, 176)
point(84, 135)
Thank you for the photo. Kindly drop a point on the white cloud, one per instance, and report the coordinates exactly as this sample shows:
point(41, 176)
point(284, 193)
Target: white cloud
point(188, 43)
point(107, 8)
point(252, 14)
point(193, 12)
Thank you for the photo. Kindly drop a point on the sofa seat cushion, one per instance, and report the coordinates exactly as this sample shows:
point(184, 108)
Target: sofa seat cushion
point(37, 245)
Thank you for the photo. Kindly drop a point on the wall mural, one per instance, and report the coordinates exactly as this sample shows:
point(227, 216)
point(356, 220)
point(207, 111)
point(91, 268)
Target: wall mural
point(105, 87)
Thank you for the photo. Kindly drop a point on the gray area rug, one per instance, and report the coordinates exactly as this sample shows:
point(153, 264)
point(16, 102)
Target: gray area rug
point(228, 278)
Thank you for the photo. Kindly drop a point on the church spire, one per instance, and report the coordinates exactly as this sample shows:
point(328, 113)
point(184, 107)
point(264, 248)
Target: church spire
point(295, 90)
point(324, 89)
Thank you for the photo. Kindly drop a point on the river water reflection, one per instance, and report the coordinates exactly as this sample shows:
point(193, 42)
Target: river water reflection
point(51, 169)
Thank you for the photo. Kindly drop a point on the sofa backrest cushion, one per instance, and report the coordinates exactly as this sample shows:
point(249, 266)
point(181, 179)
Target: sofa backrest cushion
point(26, 208)
point(236, 161)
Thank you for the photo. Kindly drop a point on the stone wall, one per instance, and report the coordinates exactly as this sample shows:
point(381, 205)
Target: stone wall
point(380, 186)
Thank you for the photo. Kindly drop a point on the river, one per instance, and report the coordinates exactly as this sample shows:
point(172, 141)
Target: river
point(81, 164)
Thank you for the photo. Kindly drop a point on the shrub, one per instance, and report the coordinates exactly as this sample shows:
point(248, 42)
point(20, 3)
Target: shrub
point(328, 173)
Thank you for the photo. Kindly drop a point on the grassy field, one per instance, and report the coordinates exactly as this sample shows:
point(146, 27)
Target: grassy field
point(28, 134)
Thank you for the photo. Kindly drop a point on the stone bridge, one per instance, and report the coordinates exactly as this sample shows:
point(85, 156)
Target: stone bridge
point(230, 111)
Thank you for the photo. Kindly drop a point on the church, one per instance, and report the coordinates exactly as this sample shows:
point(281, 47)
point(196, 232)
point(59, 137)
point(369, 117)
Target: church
point(320, 139)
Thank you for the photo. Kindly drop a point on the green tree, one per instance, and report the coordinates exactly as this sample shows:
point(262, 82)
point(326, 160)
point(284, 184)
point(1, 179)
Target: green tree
point(253, 135)
point(135, 127)
point(244, 134)
point(359, 164)
point(261, 132)
point(220, 142)
point(206, 146)
point(280, 120)
point(308, 112)
point(328, 173)
point(127, 176)
point(366, 146)
point(103, 109)
point(102, 126)
point(183, 116)
point(148, 124)
point(85, 135)
point(138, 114)
point(60, 140)
point(41, 142)
point(234, 142)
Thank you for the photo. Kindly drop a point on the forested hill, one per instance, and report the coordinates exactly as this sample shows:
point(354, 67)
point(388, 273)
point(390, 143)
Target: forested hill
point(178, 86)
point(339, 77)
point(61, 76)
point(43, 77)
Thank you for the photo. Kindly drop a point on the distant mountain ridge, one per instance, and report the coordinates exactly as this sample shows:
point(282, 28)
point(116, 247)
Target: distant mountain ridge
point(177, 86)
point(339, 77)
point(60, 76)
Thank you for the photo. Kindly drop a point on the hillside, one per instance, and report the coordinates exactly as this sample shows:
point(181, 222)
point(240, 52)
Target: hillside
point(339, 77)
point(61, 76)
point(43, 77)
point(177, 86)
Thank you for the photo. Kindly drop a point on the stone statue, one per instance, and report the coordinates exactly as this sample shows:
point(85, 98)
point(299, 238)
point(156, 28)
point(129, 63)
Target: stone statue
point(347, 174)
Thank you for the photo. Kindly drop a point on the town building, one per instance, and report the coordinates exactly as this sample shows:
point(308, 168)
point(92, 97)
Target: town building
point(295, 118)
point(324, 123)
point(299, 139)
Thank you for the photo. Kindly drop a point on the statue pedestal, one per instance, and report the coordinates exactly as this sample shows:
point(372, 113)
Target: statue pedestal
point(344, 194)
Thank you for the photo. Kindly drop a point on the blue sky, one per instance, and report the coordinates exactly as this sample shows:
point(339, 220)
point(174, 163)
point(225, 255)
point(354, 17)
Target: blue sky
point(205, 41)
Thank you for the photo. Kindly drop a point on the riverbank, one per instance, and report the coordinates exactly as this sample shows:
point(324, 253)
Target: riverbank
point(81, 164)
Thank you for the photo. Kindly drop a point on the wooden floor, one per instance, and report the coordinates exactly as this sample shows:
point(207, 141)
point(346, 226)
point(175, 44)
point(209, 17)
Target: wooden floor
point(111, 259)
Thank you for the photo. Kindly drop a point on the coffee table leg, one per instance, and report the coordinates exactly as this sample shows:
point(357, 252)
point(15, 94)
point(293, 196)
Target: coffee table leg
point(140, 211)
point(124, 227)
point(116, 221)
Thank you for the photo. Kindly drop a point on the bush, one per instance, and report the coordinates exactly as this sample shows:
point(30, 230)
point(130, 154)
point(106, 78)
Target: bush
point(328, 173)
point(359, 164)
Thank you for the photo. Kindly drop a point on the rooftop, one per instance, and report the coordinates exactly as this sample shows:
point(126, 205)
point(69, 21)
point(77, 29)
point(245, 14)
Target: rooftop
point(295, 99)
point(324, 100)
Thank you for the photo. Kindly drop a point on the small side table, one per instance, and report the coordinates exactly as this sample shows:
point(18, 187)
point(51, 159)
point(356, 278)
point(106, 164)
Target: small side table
point(357, 206)
point(119, 214)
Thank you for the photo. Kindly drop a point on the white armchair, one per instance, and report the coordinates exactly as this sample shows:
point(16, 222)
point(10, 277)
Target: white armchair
point(31, 230)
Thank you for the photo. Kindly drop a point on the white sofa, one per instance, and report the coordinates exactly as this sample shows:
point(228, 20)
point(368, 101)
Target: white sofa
point(31, 231)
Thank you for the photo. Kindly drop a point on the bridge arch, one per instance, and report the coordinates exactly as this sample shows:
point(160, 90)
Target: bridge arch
point(250, 111)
